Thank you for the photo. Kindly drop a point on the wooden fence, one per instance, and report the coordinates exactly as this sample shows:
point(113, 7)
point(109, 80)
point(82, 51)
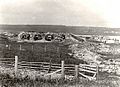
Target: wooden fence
point(87, 71)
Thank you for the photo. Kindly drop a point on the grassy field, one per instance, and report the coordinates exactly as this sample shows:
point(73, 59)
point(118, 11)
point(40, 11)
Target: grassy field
point(44, 52)
point(56, 52)
point(105, 81)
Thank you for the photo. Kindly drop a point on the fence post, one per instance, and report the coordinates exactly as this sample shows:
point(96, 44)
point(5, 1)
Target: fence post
point(32, 47)
point(20, 47)
point(97, 72)
point(9, 46)
point(45, 48)
point(58, 49)
point(76, 71)
point(63, 69)
point(50, 68)
point(16, 65)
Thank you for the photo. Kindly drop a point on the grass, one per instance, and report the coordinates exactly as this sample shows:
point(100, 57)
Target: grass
point(53, 51)
point(38, 53)
point(6, 81)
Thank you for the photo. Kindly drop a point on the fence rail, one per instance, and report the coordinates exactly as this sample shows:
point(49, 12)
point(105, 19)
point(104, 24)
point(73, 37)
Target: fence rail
point(52, 68)
point(7, 58)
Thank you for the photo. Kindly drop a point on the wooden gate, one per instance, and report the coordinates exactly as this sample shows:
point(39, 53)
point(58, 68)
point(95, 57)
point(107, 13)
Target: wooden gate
point(88, 71)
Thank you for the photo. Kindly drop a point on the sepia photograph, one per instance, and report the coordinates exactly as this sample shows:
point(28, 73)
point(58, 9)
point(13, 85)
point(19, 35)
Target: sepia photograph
point(59, 43)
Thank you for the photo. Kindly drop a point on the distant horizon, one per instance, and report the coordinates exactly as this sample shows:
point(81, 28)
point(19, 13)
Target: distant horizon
point(84, 30)
point(61, 25)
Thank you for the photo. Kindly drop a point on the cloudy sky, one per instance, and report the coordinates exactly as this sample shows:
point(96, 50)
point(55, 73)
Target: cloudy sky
point(61, 12)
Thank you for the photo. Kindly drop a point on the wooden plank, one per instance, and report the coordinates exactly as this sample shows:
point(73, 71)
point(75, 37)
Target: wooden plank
point(70, 67)
point(46, 63)
point(76, 71)
point(30, 67)
point(87, 70)
point(34, 62)
point(45, 66)
point(6, 62)
point(97, 72)
point(37, 65)
point(93, 69)
point(27, 67)
point(23, 66)
point(56, 64)
point(85, 65)
point(55, 67)
point(53, 72)
point(10, 64)
point(7, 58)
point(89, 77)
point(63, 69)
point(16, 65)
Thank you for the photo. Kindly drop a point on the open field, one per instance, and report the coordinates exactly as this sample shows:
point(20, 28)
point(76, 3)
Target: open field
point(107, 81)
point(38, 52)
point(56, 52)
point(104, 79)
point(46, 52)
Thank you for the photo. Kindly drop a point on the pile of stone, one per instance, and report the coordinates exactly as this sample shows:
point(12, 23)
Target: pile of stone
point(107, 49)
point(84, 52)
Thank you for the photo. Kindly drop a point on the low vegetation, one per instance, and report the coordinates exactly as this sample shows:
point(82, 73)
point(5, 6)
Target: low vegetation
point(54, 52)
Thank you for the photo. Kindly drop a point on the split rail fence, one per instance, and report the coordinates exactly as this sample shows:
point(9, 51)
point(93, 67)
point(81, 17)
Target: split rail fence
point(84, 70)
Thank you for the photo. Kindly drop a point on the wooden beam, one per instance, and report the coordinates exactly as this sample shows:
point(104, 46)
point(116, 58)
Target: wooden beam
point(63, 69)
point(76, 71)
point(16, 65)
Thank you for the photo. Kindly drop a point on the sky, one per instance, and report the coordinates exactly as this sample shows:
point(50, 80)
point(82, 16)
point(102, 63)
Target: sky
point(96, 13)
